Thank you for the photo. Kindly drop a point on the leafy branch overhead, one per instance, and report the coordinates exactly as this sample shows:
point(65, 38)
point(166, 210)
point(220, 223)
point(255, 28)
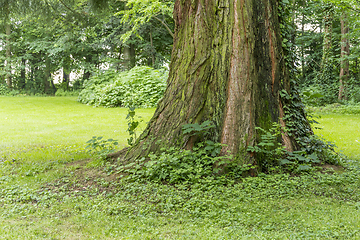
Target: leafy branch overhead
point(139, 12)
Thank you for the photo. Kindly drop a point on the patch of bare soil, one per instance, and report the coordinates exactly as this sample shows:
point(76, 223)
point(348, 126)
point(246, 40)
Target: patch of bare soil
point(81, 179)
point(335, 168)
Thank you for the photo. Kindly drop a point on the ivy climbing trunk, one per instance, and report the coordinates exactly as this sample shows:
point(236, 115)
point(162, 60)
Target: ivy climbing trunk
point(325, 77)
point(345, 52)
point(228, 67)
point(327, 43)
point(303, 46)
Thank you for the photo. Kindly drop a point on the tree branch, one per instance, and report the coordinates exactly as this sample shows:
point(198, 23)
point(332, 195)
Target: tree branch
point(166, 26)
point(53, 8)
point(61, 1)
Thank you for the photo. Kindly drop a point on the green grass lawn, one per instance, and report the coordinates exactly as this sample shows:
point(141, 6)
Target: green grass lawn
point(40, 121)
point(48, 190)
point(343, 130)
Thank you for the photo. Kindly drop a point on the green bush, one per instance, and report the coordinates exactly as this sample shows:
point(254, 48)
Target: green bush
point(138, 87)
point(354, 94)
point(4, 90)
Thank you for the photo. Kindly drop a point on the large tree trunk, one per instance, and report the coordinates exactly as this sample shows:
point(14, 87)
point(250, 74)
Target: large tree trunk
point(227, 66)
point(345, 52)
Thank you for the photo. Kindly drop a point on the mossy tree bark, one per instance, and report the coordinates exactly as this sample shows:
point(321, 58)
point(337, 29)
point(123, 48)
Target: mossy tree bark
point(227, 66)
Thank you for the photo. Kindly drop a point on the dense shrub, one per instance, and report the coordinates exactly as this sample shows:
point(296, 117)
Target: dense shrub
point(3, 89)
point(354, 94)
point(138, 87)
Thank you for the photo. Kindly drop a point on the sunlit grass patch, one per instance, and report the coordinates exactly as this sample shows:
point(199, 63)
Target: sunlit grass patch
point(343, 130)
point(41, 121)
point(33, 160)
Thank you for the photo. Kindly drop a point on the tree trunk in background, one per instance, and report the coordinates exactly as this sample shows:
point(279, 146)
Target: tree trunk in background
point(31, 82)
point(328, 21)
point(345, 52)
point(129, 56)
point(22, 80)
point(86, 75)
point(8, 46)
point(66, 77)
point(228, 67)
point(129, 53)
point(87, 72)
point(152, 50)
point(303, 47)
point(47, 78)
point(54, 89)
point(2, 68)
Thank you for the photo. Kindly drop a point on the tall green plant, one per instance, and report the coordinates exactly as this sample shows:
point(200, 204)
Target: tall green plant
point(133, 122)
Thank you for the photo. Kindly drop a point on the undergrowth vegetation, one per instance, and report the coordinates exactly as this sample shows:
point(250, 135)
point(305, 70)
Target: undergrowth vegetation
point(348, 108)
point(204, 165)
point(138, 87)
point(90, 202)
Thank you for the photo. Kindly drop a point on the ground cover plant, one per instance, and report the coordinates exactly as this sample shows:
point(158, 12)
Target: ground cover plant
point(55, 191)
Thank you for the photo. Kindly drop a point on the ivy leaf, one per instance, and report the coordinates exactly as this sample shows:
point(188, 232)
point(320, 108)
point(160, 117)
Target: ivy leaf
point(285, 161)
point(304, 167)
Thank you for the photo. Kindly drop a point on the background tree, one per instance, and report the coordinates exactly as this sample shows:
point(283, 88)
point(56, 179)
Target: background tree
point(344, 61)
point(67, 36)
point(323, 63)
